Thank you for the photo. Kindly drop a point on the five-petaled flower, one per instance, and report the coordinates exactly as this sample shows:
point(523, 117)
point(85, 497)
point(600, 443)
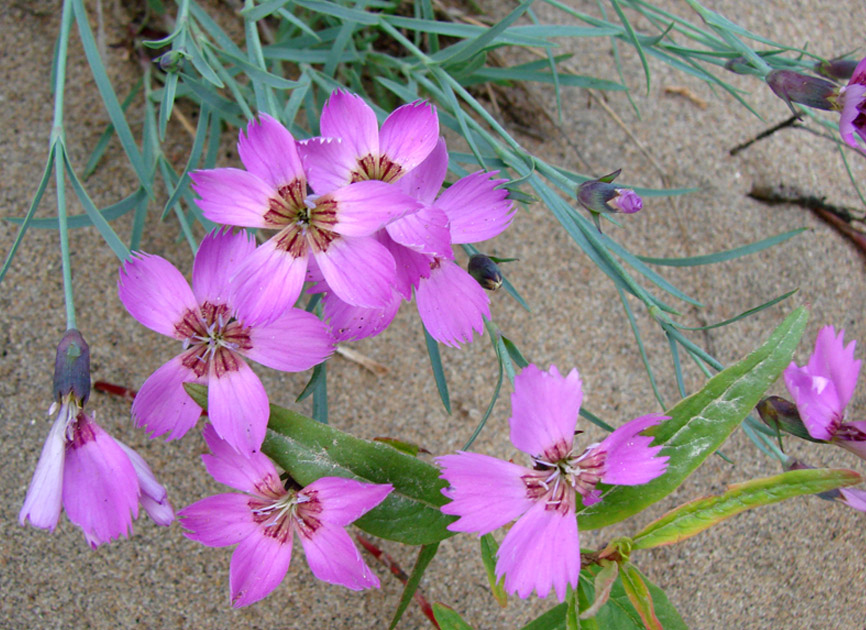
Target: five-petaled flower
point(541, 550)
point(822, 389)
point(263, 521)
point(217, 330)
point(98, 480)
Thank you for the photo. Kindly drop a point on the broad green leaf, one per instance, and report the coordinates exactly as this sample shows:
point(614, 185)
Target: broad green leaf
point(639, 596)
point(699, 424)
point(489, 547)
point(448, 619)
point(696, 516)
point(425, 557)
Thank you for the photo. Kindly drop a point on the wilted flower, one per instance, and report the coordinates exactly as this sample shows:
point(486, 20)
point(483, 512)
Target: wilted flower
point(263, 521)
point(852, 103)
point(782, 415)
point(600, 196)
point(840, 69)
point(98, 480)
point(542, 550)
point(793, 87)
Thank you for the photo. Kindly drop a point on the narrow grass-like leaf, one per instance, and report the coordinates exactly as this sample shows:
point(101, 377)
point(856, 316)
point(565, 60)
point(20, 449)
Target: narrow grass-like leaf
point(482, 75)
point(110, 213)
point(636, 332)
point(678, 370)
point(595, 419)
point(634, 40)
point(256, 73)
point(742, 315)
point(105, 138)
point(489, 547)
point(311, 385)
point(263, 10)
point(438, 370)
point(193, 160)
point(213, 29)
point(728, 254)
point(700, 423)
point(167, 103)
point(320, 395)
point(344, 14)
point(694, 517)
point(500, 350)
point(465, 50)
point(425, 557)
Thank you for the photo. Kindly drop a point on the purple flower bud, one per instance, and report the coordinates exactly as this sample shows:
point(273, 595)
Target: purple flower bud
point(793, 87)
point(72, 367)
point(485, 271)
point(836, 68)
point(601, 196)
point(627, 201)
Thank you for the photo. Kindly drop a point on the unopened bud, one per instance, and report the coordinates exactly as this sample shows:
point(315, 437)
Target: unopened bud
point(485, 271)
point(842, 69)
point(170, 61)
point(782, 415)
point(793, 87)
point(600, 196)
point(72, 367)
point(739, 65)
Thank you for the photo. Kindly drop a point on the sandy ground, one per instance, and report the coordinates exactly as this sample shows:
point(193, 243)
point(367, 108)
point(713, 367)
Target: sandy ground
point(794, 565)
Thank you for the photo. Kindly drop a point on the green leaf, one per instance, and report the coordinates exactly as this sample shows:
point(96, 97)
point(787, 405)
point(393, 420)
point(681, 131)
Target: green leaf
point(696, 516)
point(699, 424)
point(619, 613)
point(572, 611)
point(425, 557)
point(409, 448)
point(489, 547)
point(465, 50)
point(448, 619)
point(639, 596)
point(728, 254)
point(438, 370)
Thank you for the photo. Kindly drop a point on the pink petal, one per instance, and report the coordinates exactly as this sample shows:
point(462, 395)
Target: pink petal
point(310, 342)
point(452, 304)
point(258, 565)
point(219, 521)
point(347, 117)
point(343, 501)
point(544, 408)
point(255, 474)
point(425, 231)
point(853, 99)
point(43, 500)
point(485, 492)
point(425, 181)
point(854, 497)
point(269, 283)
point(162, 404)
point(268, 150)
point(542, 550)
point(367, 206)
point(411, 266)
point(816, 400)
point(232, 196)
point(100, 487)
point(153, 496)
point(237, 405)
point(477, 209)
point(219, 256)
point(834, 360)
point(409, 134)
point(859, 74)
point(329, 163)
point(630, 459)
point(155, 293)
point(160, 512)
point(360, 271)
point(350, 323)
point(333, 558)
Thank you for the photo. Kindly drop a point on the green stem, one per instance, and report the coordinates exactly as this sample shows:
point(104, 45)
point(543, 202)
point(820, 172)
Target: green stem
point(58, 145)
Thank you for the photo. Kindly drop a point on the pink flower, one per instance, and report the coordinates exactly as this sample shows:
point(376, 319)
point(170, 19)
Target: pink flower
point(852, 102)
point(263, 522)
point(333, 226)
point(217, 330)
point(542, 550)
point(98, 480)
point(822, 389)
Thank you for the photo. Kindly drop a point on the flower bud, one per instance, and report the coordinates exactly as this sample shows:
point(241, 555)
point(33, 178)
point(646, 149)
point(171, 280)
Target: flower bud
point(601, 196)
point(842, 69)
point(485, 271)
point(782, 415)
point(72, 367)
point(170, 61)
point(793, 87)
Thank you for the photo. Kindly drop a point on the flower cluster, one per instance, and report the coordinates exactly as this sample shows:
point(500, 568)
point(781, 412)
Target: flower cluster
point(542, 549)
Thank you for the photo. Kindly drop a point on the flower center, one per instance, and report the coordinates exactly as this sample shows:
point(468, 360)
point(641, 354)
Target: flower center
point(214, 338)
point(292, 510)
point(377, 167)
point(303, 220)
point(557, 482)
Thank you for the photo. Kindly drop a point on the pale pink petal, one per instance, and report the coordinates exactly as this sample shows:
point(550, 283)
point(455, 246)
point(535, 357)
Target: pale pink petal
point(485, 492)
point(43, 500)
point(452, 304)
point(100, 487)
point(162, 404)
point(477, 209)
point(155, 293)
point(544, 408)
point(858, 447)
point(816, 400)
point(630, 458)
point(360, 271)
point(258, 565)
point(365, 207)
point(343, 501)
point(328, 162)
point(333, 558)
point(295, 342)
point(237, 405)
point(254, 473)
point(153, 495)
point(834, 360)
point(854, 497)
point(219, 521)
point(350, 323)
point(347, 117)
point(541, 551)
point(411, 266)
point(232, 196)
point(219, 256)
point(268, 151)
point(425, 231)
point(409, 134)
point(269, 283)
point(425, 181)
